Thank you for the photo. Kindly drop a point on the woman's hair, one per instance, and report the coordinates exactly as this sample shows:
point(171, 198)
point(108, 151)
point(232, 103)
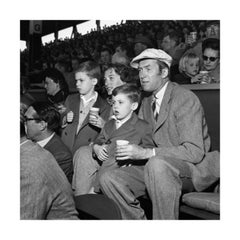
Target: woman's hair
point(184, 59)
point(57, 77)
point(122, 70)
point(211, 43)
point(91, 68)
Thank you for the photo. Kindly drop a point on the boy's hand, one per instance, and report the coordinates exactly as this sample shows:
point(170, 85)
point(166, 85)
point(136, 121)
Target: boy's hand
point(132, 151)
point(101, 152)
point(97, 121)
point(70, 116)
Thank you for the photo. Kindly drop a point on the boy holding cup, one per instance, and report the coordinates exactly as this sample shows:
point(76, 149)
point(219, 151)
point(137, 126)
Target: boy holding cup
point(124, 129)
point(79, 131)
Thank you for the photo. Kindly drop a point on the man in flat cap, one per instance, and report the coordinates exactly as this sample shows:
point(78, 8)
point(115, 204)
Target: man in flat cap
point(182, 147)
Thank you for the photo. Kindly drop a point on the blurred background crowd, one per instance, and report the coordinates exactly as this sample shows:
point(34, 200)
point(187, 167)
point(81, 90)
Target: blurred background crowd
point(193, 45)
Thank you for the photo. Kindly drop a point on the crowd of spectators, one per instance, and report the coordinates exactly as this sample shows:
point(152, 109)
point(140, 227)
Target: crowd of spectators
point(121, 42)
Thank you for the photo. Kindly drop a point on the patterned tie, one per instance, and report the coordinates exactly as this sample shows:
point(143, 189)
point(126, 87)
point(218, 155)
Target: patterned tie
point(154, 109)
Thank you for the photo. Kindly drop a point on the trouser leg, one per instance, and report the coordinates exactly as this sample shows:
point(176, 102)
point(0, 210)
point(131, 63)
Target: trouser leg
point(85, 169)
point(123, 186)
point(164, 186)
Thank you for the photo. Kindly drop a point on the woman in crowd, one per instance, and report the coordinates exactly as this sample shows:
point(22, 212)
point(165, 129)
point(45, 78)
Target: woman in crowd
point(210, 71)
point(56, 86)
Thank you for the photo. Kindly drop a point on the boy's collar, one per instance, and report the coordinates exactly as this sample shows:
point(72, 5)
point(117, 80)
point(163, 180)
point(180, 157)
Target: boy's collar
point(94, 97)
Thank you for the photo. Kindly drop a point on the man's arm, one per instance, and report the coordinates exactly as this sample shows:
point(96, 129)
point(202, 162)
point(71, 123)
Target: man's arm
point(34, 196)
point(191, 128)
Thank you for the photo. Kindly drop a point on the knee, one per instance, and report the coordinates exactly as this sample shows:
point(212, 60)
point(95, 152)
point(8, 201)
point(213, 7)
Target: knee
point(159, 167)
point(82, 154)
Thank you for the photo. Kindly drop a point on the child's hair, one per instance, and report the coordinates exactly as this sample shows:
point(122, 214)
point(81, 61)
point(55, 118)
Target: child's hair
point(184, 59)
point(91, 68)
point(130, 90)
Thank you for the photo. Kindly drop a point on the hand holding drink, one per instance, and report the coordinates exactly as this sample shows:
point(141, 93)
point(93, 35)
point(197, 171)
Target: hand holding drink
point(205, 77)
point(95, 119)
point(120, 145)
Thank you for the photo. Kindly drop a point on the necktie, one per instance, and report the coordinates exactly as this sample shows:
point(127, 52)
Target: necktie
point(154, 108)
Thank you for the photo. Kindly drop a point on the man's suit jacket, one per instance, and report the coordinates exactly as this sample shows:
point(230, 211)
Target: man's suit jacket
point(44, 189)
point(62, 155)
point(87, 132)
point(181, 132)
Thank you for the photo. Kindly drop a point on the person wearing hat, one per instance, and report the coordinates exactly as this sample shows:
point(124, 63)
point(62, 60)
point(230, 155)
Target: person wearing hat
point(141, 43)
point(182, 143)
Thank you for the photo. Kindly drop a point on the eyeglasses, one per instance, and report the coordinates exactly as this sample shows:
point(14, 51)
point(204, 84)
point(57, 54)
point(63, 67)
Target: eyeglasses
point(212, 59)
point(26, 119)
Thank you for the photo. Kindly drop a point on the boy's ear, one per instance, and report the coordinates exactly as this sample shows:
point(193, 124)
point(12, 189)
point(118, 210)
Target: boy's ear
point(94, 81)
point(134, 106)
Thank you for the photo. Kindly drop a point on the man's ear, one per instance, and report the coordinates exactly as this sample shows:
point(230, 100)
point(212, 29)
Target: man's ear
point(134, 106)
point(43, 125)
point(94, 81)
point(164, 73)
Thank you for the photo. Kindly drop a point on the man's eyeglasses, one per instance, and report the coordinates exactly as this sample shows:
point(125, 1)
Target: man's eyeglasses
point(26, 119)
point(212, 59)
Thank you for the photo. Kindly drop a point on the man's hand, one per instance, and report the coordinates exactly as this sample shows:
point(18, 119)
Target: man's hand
point(101, 152)
point(132, 151)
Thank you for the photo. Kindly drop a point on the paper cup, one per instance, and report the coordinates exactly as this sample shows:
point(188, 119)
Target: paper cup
point(122, 142)
point(94, 111)
point(203, 72)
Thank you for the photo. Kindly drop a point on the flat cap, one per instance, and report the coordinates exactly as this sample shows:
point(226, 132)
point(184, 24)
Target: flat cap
point(152, 53)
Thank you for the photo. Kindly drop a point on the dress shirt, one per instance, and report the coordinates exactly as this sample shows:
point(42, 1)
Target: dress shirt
point(43, 142)
point(159, 97)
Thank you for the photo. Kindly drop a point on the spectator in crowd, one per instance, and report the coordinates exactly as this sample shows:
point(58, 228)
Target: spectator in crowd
point(45, 192)
point(63, 66)
point(79, 131)
point(42, 122)
point(122, 49)
point(56, 86)
point(180, 134)
point(172, 45)
point(75, 62)
point(105, 57)
point(141, 43)
point(211, 62)
point(189, 66)
point(120, 59)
